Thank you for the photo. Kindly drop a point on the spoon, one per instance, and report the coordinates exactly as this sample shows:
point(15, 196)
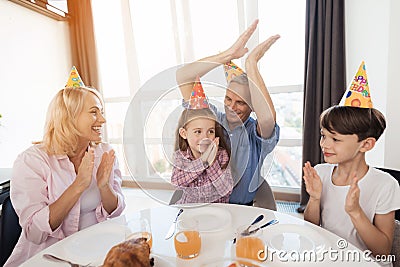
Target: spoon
point(256, 220)
point(55, 258)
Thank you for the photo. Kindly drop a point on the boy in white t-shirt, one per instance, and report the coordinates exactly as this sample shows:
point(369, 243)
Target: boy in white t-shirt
point(348, 197)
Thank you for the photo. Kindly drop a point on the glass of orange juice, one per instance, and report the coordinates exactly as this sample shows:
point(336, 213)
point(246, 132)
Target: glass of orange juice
point(139, 228)
point(250, 246)
point(187, 240)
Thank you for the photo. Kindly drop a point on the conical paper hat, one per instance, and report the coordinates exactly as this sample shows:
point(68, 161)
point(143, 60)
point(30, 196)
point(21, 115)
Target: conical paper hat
point(231, 71)
point(74, 80)
point(198, 99)
point(358, 94)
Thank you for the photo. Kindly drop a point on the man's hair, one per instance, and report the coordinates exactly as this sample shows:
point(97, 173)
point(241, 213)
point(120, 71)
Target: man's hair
point(364, 122)
point(61, 134)
point(241, 79)
point(189, 115)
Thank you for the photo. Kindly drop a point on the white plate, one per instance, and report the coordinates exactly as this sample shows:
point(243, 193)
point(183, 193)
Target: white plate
point(159, 261)
point(211, 219)
point(92, 245)
point(294, 238)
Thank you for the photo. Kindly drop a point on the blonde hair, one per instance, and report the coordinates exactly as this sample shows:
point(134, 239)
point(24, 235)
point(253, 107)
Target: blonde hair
point(189, 115)
point(60, 132)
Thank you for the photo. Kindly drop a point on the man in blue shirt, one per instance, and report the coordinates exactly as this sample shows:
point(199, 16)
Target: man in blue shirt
point(251, 140)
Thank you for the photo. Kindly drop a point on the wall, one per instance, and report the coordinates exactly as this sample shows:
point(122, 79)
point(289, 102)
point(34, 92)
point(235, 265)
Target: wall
point(372, 35)
point(35, 63)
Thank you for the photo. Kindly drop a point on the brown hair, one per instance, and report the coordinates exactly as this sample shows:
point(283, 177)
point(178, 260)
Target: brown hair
point(191, 114)
point(60, 133)
point(364, 122)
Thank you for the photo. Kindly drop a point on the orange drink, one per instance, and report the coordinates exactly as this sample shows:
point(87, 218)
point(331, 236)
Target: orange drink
point(187, 241)
point(139, 228)
point(249, 248)
point(250, 245)
point(187, 244)
point(146, 235)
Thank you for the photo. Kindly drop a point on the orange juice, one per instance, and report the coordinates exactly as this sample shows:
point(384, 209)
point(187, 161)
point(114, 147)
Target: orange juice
point(249, 248)
point(146, 235)
point(187, 244)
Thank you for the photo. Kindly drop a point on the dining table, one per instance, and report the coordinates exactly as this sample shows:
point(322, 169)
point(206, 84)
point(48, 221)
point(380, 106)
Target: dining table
point(292, 241)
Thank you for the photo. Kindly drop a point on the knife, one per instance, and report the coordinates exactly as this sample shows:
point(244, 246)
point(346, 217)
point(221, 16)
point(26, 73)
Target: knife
point(172, 228)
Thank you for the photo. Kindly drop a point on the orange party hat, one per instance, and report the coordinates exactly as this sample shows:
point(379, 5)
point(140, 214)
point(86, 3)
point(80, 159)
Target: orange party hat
point(74, 80)
point(198, 99)
point(358, 94)
point(231, 71)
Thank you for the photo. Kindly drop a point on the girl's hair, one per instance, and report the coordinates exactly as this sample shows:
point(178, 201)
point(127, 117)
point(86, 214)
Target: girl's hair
point(189, 115)
point(364, 122)
point(60, 131)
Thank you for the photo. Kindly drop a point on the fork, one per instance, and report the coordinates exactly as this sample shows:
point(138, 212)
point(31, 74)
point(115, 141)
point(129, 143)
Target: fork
point(56, 258)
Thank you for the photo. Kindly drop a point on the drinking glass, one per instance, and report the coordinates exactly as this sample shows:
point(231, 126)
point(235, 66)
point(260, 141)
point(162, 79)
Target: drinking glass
point(187, 240)
point(139, 228)
point(250, 245)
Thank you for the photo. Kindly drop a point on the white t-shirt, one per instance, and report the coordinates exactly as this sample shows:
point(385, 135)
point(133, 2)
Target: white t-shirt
point(379, 194)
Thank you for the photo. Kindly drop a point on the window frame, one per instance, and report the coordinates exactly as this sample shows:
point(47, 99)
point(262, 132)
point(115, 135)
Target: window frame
point(186, 54)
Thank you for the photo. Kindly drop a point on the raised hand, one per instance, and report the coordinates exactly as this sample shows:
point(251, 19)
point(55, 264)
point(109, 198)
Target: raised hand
point(105, 168)
point(352, 203)
point(85, 170)
point(312, 181)
point(239, 49)
point(258, 52)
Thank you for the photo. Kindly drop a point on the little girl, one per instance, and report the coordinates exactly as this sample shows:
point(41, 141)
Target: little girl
point(201, 158)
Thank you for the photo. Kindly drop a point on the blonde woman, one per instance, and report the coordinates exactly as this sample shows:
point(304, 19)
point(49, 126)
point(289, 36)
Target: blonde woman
point(70, 180)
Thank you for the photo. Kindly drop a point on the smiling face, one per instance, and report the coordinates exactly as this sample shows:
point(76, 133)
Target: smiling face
point(91, 119)
point(198, 133)
point(236, 102)
point(340, 148)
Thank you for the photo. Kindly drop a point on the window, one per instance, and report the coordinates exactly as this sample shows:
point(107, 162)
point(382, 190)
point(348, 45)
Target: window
point(142, 42)
point(56, 9)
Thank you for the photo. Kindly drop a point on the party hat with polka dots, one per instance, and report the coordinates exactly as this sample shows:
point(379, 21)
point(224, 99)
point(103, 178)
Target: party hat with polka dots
point(198, 99)
point(74, 80)
point(358, 94)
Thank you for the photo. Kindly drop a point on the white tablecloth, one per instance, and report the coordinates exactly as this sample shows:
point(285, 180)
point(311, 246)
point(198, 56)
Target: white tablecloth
point(95, 241)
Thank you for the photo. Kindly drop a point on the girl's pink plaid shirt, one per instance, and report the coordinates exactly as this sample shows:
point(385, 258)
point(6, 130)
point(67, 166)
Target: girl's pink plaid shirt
point(201, 184)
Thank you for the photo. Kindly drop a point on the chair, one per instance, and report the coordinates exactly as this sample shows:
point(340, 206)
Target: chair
point(264, 197)
point(10, 230)
point(396, 175)
point(176, 196)
point(396, 244)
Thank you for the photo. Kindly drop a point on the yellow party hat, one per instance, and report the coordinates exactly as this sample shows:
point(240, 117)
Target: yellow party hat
point(198, 99)
point(358, 94)
point(74, 80)
point(231, 71)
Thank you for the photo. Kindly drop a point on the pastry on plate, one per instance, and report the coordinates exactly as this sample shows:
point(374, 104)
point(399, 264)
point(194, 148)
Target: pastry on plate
point(131, 253)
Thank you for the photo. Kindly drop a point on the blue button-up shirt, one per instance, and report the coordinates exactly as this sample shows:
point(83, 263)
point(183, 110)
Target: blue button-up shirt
point(248, 151)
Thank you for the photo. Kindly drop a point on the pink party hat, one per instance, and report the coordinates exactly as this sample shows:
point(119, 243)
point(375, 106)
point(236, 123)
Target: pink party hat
point(231, 71)
point(358, 94)
point(74, 80)
point(198, 99)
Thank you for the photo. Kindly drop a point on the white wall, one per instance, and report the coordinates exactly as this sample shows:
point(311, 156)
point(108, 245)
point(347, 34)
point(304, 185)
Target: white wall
point(373, 35)
point(35, 61)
